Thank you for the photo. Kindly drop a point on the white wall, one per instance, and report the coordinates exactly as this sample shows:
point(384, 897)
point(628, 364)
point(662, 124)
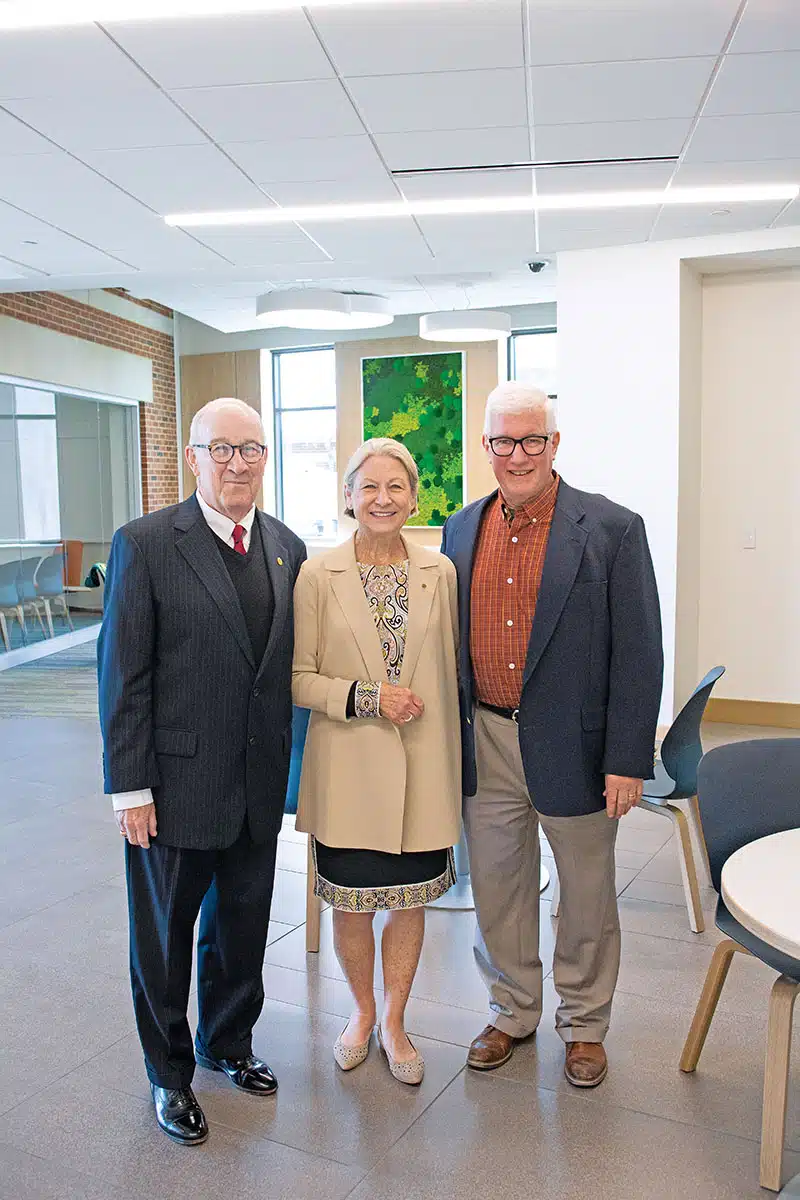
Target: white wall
point(619, 355)
point(750, 597)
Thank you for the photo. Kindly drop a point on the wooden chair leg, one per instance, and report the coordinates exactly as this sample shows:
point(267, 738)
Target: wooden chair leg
point(707, 1004)
point(691, 887)
point(313, 907)
point(49, 615)
point(4, 631)
point(696, 825)
point(21, 618)
point(65, 612)
point(776, 1081)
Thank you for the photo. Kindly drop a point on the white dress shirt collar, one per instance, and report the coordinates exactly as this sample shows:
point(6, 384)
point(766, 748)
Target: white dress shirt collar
point(223, 526)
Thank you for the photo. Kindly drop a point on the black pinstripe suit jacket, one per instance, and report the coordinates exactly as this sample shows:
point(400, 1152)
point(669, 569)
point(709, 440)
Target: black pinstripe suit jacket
point(184, 707)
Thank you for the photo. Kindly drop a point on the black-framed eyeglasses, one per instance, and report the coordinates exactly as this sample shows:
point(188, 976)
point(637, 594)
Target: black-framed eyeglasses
point(223, 452)
point(533, 444)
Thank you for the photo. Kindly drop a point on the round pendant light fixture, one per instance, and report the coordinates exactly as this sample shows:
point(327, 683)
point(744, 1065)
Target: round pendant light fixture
point(313, 308)
point(467, 325)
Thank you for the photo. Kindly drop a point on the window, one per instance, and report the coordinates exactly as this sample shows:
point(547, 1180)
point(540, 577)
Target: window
point(304, 389)
point(532, 359)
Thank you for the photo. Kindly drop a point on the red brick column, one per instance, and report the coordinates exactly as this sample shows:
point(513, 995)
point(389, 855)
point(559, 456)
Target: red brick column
point(156, 420)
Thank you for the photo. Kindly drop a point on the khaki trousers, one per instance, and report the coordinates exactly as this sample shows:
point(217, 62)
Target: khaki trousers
point(502, 828)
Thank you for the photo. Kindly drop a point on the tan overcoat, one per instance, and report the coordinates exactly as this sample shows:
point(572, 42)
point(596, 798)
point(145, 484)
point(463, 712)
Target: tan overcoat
point(366, 783)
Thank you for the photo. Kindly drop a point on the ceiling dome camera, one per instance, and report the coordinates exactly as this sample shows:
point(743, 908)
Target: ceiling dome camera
point(537, 265)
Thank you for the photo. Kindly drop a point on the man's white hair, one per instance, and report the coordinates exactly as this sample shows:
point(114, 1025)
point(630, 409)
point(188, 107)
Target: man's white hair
point(513, 397)
point(214, 406)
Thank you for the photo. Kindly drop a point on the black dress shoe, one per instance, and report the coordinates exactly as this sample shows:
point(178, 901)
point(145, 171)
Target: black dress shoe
point(179, 1115)
point(249, 1074)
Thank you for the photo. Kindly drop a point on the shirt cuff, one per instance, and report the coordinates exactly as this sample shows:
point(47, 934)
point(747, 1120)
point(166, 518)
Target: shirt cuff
point(368, 699)
point(122, 800)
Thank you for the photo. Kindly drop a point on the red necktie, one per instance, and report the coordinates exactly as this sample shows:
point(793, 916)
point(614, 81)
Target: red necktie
point(238, 539)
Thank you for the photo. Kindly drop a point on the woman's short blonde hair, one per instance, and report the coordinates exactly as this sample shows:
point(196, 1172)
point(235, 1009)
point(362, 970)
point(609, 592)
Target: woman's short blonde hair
point(387, 448)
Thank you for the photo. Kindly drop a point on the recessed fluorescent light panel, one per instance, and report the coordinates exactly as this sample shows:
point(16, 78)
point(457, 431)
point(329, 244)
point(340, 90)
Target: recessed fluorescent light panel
point(43, 14)
point(489, 205)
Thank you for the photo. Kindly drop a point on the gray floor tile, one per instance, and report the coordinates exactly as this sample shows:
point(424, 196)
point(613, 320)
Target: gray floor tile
point(53, 1021)
point(424, 1018)
point(665, 920)
point(644, 1046)
point(490, 1137)
point(289, 898)
point(25, 1177)
point(87, 932)
point(667, 893)
point(113, 1137)
point(642, 839)
point(292, 855)
point(632, 859)
point(352, 1117)
point(446, 974)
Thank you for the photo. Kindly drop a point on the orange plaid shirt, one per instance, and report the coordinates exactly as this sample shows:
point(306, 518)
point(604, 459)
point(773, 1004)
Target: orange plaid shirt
point(506, 575)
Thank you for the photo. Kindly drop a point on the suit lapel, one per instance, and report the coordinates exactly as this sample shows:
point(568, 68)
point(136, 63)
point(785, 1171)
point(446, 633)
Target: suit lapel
point(349, 591)
point(422, 585)
point(280, 577)
point(565, 548)
point(195, 541)
point(462, 554)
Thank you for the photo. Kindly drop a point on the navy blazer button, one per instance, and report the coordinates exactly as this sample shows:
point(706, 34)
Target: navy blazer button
point(256, 691)
point(251, 741)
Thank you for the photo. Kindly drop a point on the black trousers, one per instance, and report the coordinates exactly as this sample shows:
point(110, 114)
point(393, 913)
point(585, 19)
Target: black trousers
point(232, 891)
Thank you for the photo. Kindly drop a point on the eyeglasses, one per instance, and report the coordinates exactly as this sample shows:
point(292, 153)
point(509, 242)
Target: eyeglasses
point(533, 445)
point(223, 452)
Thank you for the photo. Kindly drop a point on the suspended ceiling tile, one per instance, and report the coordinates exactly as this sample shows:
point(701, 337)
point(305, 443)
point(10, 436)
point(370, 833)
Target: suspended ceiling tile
point(85, 122)
point(609, 139)
point(315, 109)
point(334, 191)
point(306, 160)
point(658, 89)
point(466, 186)
point(178, 178)
point(774, 25)
point(770, 170)
point(756, 83)
point(585, 31)
point(699, 222)
point(454, 148)
point(17, 138)
point(64, 62)
point(440, 101)
point(238, 49)
point(411, 38)
point(642, 176)
point(759, 137)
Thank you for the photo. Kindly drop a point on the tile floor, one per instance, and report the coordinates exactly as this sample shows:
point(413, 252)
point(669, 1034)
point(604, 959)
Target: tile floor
point(76, 1124)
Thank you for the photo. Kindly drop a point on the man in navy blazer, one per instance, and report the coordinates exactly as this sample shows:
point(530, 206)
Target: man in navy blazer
point(561, 673)
point(194, 658)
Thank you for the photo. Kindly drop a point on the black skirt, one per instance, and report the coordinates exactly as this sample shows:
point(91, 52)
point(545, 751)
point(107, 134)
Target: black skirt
point(373, 881)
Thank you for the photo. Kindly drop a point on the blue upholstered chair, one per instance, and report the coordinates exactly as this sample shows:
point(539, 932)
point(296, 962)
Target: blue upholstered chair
point(747, 791)
point(10, 601)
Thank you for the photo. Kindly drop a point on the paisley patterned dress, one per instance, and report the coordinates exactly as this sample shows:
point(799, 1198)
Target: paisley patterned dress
point(357, 880)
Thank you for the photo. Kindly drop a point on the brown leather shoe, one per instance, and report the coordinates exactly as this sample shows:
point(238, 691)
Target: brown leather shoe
point(490, 1049)
point(586, 1064)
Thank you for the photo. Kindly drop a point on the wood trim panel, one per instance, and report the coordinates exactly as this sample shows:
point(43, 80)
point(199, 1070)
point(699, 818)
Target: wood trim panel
point(753, 712)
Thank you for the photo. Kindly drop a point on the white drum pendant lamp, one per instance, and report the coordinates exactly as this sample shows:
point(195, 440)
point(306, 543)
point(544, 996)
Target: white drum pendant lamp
point(467, 325)
point(313, 308)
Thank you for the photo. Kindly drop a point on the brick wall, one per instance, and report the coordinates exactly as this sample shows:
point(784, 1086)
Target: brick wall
point(156, 420)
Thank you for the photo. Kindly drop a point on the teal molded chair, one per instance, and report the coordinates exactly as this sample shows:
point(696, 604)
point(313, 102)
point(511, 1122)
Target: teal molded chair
point(675, 778)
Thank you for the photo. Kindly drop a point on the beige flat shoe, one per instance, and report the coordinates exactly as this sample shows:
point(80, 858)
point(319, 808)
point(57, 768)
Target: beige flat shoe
point(411, 1072)
point(349, 1057)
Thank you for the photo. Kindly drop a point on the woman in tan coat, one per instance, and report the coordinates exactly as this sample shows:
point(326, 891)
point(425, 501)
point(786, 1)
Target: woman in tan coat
point(380, 792)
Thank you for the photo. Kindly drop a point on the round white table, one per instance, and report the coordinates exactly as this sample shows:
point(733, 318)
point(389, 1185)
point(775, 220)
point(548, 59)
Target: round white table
point(761, 889)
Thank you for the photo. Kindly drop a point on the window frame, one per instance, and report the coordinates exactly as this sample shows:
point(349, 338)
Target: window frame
point(511, 361)
point(278, 410)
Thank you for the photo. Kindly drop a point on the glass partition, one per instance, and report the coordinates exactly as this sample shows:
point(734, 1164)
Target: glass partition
point(69, 477)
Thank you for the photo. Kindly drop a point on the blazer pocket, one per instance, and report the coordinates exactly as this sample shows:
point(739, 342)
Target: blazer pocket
point(181, 742)
point(593, 718)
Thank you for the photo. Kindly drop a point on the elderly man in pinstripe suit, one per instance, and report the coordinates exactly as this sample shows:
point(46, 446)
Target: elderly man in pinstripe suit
point(194, 660)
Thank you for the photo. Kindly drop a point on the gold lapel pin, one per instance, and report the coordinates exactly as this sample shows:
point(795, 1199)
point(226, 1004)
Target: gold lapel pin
point(280, 562)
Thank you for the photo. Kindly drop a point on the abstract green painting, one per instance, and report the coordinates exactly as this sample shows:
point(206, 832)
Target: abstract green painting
point(418, 400)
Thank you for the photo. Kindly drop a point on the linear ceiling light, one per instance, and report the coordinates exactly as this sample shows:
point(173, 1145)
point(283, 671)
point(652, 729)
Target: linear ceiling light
point(313, 308)
point(486, 205)
point(43, 14)
point(467, 325)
